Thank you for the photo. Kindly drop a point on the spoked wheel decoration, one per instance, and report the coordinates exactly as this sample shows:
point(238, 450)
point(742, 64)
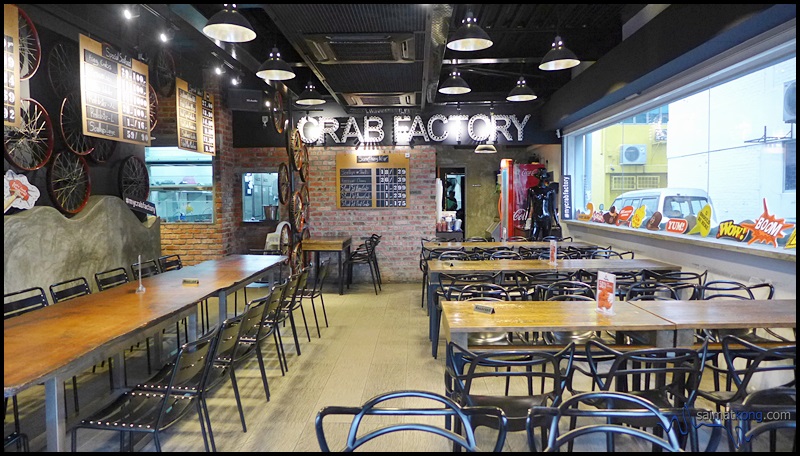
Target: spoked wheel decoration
point(306, 234)
point(296, 260)
point(278, 114)
point(304, 164)
point(284, 184)
point(134, 182)
point(163, 73)
point(285, 240)
point(297, 150)
point(68, 182)
point(29, 146)
point(153, 106)
point(62, 69)
point(304, 196)
point(298, 211)
point(72, 126)
point(102, 149)
point(30, 49)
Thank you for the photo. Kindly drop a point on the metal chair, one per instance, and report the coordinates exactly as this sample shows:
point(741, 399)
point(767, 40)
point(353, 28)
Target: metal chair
point(780, 403)
point(363, 254)
point(146, 412)
point(440, 406)
point(611, 254)
point(169, 262)
point(69, 289)
point(557, 238)
point(518, 239)
point(729, 289)
point(316, 292)
point(147, 268)
point(111, 278)
point(534, 283)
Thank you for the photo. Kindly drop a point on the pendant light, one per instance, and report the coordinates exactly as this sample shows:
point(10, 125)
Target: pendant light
point(274, 68)
point(310, 96)
point(470, 36)
point(559, 57)
point(485, 149)
point(230, 26)
point(454, 85)
point(521, 92)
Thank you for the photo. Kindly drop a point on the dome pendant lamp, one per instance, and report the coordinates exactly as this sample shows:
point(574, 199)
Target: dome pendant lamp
point(470, 36)
point(274, 68)
point(521, 92)
point(454, 85)
point(230, 26)
point(559, 57)
point(310, 96)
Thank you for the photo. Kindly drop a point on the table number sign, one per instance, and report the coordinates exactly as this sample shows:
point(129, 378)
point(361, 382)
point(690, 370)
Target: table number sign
point(606, 291)
point(115, 102)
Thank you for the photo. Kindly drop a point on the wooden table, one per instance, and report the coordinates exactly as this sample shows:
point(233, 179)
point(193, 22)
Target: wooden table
point(688, 316)
point(437, 267)
point(56, 342)
point(460, 319)
point(513, 245)
point(340, 245)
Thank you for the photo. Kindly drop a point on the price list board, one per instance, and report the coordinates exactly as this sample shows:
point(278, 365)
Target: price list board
point(195, 110)
point(372, 181)
point(11, 92)
point(115, 101)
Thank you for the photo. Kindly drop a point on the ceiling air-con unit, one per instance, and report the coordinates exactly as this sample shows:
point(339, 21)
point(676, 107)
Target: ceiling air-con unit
point(790, 102)
point(633, 154)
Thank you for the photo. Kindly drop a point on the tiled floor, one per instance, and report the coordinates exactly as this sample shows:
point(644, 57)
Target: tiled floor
point(374, 344)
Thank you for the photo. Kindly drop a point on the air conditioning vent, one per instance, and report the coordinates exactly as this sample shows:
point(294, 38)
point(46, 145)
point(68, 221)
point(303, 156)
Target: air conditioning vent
point(380, 99)
point(790, 102)
point(361, 48)
point(633, 154)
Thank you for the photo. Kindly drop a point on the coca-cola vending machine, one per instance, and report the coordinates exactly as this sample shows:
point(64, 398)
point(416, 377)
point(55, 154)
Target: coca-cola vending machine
point(515, 180)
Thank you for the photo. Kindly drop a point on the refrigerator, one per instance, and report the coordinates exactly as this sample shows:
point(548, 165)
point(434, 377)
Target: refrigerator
point(515, 180)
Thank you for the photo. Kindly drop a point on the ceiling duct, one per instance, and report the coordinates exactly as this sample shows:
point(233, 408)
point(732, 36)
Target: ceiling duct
point(361, 48)
point(380, 99)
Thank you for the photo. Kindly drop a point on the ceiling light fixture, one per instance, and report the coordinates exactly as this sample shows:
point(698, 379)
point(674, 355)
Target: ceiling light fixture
point(521, 92)
point(274, 68)
point(470, 36)
point(485, 149)
point(310, 96)
point(559, 57)
point(130, 12)
point(228, 25)
point(454, 85)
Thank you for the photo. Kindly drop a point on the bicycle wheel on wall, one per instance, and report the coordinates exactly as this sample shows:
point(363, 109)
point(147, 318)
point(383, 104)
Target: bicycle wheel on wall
point(102, 149)
point(68, 182)
point(72, 125)
point(298, 212)
point(285, 242)
point(296, 260)
point(29, 146)
point(30, 49)
point(278, 113)
point(62, 68)
point(153, 106)
point(297, 150)
point(134, 181)
point(284, 184)
point(162, 73)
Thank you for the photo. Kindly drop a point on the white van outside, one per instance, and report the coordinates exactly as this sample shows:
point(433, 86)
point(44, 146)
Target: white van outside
point(679, 203)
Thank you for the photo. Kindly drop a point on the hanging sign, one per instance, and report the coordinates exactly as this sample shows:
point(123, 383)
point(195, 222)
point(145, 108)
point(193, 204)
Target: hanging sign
point(195, 110)
point(11, 104)
point(767, 229)
point(372, 181)
point(18, 192)
point(115, 102)
point(566, 197)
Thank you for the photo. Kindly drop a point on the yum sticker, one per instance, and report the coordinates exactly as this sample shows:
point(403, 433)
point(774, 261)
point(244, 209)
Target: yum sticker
point(677, 226)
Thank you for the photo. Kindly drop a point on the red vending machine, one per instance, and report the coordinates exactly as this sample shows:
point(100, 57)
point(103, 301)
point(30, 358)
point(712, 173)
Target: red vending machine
point(515, 180)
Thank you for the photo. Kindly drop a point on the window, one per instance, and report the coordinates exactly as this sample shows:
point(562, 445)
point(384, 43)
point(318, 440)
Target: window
point(260, 196)
point(729, 138)
point(181, 184)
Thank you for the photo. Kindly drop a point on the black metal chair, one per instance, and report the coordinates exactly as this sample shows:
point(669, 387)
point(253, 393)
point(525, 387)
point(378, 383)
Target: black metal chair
point(146, 411)
point(292, 302)
point(440, 406)
point(650, 288)
point(147, 268)
point(270, 326)
point(69, 289)
point(169, 262)
point(492, 369)
point(518, 239)
point(111, 278)
point(534, 283)
point(557, 238)
point(729, 289)
point(777, 405)
point(475, 239)
point(363, 254)
point(315, 292)
point(611, 254)
point(617, 407)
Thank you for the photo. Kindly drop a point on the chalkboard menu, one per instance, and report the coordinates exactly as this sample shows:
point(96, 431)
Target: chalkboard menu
point(372, 181)
point(114, 98)
point(195, 110)
point(11, 67)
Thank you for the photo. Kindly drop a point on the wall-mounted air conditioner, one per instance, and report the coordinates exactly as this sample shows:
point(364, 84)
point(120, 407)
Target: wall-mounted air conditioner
point(633, 154)
point(790, 102)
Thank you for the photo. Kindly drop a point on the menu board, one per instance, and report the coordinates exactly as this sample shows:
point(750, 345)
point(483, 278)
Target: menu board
point(115, 101)
point(11, 103)
point(195, 110)
point(372, 181)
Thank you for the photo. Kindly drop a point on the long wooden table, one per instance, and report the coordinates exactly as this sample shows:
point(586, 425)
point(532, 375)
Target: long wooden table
point(54, 343)
point(340, 245)
point(437, 267)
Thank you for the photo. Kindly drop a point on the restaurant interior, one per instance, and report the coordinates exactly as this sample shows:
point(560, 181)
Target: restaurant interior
point(255, 227)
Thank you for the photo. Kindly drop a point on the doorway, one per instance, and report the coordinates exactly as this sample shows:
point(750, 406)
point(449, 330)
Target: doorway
point(454, 196)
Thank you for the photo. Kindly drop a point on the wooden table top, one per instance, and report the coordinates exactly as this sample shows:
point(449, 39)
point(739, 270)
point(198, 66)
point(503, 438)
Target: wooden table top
point(592, 265)
point(725, 313)
point(510, 316)
point(43, 343)
point(326, 243)
point(514, 245)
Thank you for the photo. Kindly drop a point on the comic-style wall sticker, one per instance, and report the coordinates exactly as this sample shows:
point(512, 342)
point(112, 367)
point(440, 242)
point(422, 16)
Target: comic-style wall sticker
point(767, 229)
point(624, 215)
point(677, 225)
point(703, 225)
point(18, 192)
point(730, 230)
point(654, 222)
point(638, 217)
point(790, 243)
point(586, 216)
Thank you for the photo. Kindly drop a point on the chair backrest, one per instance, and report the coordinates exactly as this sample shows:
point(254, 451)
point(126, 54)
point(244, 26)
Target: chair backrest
point(780, 403)
point(451, 284)
point(505, 255)
point(561, 254)
point(148, 268)
point(608, 253)
point(111, 278)
point(531, 253)
point(69, 289)
point(319, 280)
point(616, 407)
point(23, 301)
point(272, 315)
point(475, 291)
point(670, 277)
point(169, 262)
point(534, 283)
point(435, 405)
point(190, 371)
point(454, 255)
point(761, 365)
point(557, 238)
point(568, 287)
point(517, 239)
point(650, 288)
point(717, 289)
point(475, 239)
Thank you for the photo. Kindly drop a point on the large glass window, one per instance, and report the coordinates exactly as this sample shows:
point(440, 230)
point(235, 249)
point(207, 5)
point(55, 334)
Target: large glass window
point(181, 184)
point(260, 196)
point(731, 145)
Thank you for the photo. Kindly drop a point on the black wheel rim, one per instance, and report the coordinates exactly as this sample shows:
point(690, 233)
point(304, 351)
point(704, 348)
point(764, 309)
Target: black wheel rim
point(286, 240)
point(102, 149)
point(278, 115)
point(29, 147)
point(72, 125)
point(30, 49)
point(62, 69)
point(68, 182)
point(134, 181)
point(284, 185)
point(153, 106)
point(163, 73)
